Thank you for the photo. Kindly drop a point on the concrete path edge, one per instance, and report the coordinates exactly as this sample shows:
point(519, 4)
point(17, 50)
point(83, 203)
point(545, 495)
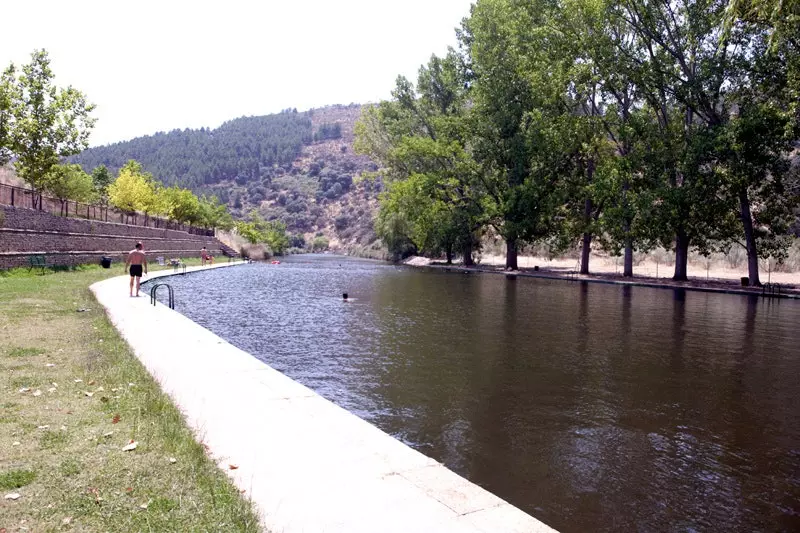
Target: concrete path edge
point(307, 464)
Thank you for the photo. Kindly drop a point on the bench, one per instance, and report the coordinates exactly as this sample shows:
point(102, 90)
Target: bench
point(37, 261)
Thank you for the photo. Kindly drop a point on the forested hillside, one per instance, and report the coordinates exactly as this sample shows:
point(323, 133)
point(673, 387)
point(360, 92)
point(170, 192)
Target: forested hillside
point(242, 149)
point(295, 167)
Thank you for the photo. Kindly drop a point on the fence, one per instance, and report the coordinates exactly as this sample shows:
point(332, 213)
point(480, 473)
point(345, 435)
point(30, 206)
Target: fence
point(29, 199)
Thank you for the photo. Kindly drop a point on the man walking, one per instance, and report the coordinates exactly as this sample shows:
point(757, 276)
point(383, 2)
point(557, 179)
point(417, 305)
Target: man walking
point(137, 260)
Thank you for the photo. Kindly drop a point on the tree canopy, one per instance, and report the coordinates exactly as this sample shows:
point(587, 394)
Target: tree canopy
point(627, 124)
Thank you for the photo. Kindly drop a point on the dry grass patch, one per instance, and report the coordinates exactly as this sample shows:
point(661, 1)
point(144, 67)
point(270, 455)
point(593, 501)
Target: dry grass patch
point(73, 397)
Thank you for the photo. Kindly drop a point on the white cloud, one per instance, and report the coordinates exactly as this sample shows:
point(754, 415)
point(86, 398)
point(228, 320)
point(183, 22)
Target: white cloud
point(159, 65)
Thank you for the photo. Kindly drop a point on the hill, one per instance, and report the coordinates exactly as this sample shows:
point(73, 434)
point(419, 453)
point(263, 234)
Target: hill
point(297, 167)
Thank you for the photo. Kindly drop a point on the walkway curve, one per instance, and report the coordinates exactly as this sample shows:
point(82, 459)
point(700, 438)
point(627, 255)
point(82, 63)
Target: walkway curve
point(309, 465)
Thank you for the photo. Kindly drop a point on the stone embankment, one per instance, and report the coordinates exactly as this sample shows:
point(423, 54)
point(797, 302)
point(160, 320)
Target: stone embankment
point(72, 241)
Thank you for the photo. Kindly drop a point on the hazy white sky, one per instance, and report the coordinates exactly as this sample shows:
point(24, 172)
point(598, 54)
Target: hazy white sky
point(158, 65)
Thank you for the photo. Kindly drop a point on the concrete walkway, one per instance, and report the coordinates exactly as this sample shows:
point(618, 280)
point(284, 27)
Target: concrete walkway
point(309, 465)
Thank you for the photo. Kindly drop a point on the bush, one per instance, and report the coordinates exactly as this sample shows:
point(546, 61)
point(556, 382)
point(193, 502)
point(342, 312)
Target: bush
point(256, 252)
point(341, 222)
point(320, 244)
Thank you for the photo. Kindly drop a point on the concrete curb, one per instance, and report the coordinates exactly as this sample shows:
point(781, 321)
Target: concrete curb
point(309, 465)
point(588, 279)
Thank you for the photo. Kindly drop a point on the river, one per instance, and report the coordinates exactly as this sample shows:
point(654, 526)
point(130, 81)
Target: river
point(590, 406)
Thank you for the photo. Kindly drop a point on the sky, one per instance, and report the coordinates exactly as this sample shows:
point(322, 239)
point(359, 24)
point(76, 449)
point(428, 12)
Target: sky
point(160, 65)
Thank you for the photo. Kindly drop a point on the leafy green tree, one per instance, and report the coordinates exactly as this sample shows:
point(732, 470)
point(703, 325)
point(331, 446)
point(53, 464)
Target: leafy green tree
point(319, 244)
point(69, 182)
point(420, 138)
point(49, 123)
point(181, 204)
point(9, 99)
point(516, 106)
point(133, 190)
point(101, 179)
point(212, 214)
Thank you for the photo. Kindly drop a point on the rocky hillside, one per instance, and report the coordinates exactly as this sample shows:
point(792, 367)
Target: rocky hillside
point(299, 168)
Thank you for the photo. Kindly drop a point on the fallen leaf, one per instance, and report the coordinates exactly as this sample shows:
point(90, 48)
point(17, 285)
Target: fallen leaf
point(66, 521)
point(63, 428)
point(129, 489)
point(37, 392)
point(131, 384)
point(100, 389)
point(114, 390)
point(42, 427)
point(106, 435)
point(78, 381)
point(15, 443)
point(12, 496)
point(145, 505)
point(23, 390)
point(172, 460)
point(130, 447)
point(92, 382)
point(49, 365)
point(103, 399)
point(233, 467)
point(116, 419)
point(54, 384)
point(51, 390)
point(89, 394)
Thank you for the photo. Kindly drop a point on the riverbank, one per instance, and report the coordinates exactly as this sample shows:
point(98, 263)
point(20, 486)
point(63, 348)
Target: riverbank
point(717, 281)
point(74, 397)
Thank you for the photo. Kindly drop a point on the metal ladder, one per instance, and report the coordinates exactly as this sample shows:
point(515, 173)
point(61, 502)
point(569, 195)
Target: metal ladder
point(170, 292)
point(771, 290)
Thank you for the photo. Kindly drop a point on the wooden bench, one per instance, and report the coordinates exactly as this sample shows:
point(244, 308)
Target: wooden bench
point(37, 261)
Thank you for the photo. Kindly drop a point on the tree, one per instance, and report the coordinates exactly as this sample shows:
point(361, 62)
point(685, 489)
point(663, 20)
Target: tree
point(212, 214)
point(49, 123)
point(9, 99)
point(421, 140)
point(101, 179)
point(181, 204)
point(516, 102)
point(69, 182)
point(133, 189)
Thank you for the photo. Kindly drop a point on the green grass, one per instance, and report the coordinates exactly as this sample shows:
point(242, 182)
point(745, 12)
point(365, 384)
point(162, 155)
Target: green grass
point(72, 474)
point(15, 479)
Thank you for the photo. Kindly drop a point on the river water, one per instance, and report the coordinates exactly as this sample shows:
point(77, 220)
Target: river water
point(590, 406)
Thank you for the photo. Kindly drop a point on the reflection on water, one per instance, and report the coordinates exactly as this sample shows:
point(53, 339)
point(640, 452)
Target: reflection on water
point(593, 407)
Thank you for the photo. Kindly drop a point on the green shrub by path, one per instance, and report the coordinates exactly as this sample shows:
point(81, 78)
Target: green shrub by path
point(85, 397)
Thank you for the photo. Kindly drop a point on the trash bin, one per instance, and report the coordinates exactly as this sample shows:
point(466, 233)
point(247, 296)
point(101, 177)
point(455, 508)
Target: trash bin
point(106, 262)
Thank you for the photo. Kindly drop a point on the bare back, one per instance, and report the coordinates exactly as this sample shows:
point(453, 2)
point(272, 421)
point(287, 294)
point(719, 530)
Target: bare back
point(136, 257)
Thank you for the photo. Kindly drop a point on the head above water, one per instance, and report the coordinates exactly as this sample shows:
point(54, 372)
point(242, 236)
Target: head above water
point(344, 296)
point(139, 245)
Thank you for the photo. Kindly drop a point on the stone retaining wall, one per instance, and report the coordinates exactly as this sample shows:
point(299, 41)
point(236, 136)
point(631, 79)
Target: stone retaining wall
point(72, 241)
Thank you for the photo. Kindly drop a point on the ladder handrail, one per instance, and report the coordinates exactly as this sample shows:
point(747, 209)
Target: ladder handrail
point(170, 292)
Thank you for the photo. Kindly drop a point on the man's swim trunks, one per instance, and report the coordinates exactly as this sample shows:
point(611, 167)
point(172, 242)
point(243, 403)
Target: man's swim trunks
point(136, 270)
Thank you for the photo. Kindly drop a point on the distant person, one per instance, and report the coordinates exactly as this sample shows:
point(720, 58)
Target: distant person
point(206, 256)
point(137, 261)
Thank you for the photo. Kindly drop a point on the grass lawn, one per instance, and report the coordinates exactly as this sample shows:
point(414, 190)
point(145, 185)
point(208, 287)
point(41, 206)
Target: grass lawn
point(72, 395)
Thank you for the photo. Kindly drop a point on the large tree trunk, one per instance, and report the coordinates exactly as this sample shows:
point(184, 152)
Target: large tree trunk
point(585, 250)
point(511, 253)
point(586, 246)
point(681, 256)
point(627, 269)
point(750, 239)
point(468, 255)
